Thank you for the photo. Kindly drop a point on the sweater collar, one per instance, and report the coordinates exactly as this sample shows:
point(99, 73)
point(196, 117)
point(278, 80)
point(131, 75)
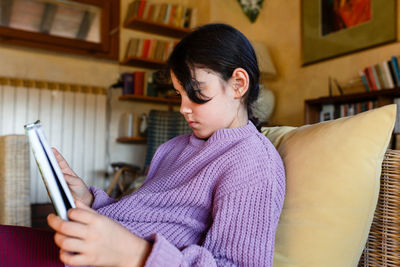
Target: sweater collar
point(223, 134)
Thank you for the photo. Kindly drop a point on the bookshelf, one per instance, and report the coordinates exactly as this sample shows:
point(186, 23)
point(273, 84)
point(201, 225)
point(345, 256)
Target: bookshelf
point(382, 97)
point(143, 63)
point(149, 57)
point(151, 99)
point(170, 101)
point(132, 140)
point(156, 28)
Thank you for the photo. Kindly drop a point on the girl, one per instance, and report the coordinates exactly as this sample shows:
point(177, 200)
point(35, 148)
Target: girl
point(211, 198)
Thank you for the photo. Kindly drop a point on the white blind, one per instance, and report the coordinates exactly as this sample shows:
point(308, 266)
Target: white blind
point(74, 121)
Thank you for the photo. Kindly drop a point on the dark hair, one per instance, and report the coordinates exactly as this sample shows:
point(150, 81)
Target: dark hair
point(220, 48)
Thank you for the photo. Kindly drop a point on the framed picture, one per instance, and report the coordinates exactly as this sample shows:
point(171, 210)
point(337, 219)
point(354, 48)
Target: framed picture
point(331, 28)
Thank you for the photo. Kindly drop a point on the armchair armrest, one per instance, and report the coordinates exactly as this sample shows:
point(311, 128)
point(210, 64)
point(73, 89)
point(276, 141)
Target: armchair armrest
point(383, 245)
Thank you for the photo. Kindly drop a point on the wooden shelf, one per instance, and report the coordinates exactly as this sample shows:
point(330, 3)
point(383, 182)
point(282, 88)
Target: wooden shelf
point(156, 28)
point(382, 97)
point(143, 63)
point(132, 140)
point(151, 99)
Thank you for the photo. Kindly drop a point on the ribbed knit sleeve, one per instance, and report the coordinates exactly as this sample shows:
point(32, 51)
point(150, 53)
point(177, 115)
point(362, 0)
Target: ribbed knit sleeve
point(245, 211)
point(101, 198)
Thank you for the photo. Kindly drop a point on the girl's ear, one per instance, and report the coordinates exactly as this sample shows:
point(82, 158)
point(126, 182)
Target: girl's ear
point(240, 82)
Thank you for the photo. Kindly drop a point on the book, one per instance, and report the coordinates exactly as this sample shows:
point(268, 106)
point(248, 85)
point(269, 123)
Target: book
point(155, 12)
point(147, 10)
point(139, 83)
point(50, 171)
point(327, 112)
point(172, 17)
point(376, 78)
point(396, 70)
point(387, 74)
point(364, 81)
point(132, 9)
point(370, 78)
point(161, 14)
point(392, 73)
point(167, 14)
point(178, 16)
point(145, 49)
point(127, 79)
point(141, 9)
point(193, 18)
point(132, 47)
point(381, 78)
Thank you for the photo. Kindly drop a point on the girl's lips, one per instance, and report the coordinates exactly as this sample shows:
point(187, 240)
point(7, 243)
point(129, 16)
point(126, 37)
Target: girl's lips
point(192, 123)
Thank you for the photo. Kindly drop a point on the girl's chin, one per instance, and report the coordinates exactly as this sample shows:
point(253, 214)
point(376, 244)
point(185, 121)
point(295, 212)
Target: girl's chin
point(201, 135)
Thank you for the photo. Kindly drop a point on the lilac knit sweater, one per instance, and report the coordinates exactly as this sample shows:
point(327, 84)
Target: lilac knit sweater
point(207, 203)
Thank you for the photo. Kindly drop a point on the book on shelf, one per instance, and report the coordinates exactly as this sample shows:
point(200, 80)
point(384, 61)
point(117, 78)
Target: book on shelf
point(364, 81)
point(392, 73)
point(149, 49)
point(376, 78)
point(139, 83)
point(327, 112)
point(146, 47)
point(127, 80)
point(52, 176)
point(396, 70)
point(384, 75)
point(132, 47)
point(387, 74)
point(178, 16)
point(331, 111)
point(166, 13)
point(140, 11)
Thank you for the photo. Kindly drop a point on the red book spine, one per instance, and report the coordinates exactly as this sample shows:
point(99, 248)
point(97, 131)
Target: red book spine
point(367, 75)
point(141, 8)
point(146, 47)
point(173, 14)
point(139, 83)
point(148, 15)
point(371, 77)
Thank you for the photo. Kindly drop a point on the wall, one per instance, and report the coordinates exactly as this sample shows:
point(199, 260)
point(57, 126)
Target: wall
point(278, 25)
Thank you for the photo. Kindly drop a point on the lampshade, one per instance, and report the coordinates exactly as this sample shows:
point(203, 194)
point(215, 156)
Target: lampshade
point(265, 63)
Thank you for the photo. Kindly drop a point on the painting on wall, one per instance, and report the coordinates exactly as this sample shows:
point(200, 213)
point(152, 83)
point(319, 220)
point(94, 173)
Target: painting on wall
point(332, 28)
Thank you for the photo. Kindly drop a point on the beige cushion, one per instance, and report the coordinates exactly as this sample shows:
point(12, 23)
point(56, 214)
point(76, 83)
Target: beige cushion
point(332, 171)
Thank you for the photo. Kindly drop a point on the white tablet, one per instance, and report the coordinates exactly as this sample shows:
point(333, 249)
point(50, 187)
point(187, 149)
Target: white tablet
point(52, 176)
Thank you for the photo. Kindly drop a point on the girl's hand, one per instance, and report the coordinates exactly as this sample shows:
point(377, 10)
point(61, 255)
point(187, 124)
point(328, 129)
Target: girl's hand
point(78, 188)
point(93, 239)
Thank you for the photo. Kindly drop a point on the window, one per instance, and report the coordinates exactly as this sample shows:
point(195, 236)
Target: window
point(88, 27)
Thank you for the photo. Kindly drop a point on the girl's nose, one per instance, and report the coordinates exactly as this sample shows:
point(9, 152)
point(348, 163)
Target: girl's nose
point(185, 106)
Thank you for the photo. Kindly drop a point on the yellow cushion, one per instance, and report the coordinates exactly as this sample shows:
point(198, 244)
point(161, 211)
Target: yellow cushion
point(333, 173)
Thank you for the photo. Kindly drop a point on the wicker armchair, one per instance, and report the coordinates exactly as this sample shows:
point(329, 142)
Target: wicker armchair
point(383, 245)
point(14, 180)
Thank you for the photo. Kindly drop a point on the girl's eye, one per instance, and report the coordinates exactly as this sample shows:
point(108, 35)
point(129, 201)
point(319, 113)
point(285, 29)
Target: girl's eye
point(177, 93)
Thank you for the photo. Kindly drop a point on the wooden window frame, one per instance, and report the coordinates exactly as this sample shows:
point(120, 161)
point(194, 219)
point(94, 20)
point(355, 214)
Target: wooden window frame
point(108, 46)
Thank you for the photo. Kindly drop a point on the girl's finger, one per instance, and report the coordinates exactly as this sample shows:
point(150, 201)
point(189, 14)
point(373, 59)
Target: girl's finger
point(82, 215)
point(65, 168)
point(68, 228)
point(73, 258)
point(82, 205)
point(71, 244)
